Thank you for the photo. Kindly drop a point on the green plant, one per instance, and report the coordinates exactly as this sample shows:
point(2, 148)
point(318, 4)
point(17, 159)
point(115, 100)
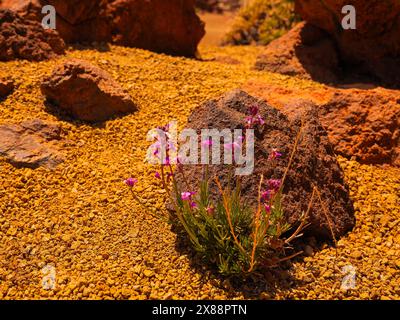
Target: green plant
point(225, 232)
point(261, 22)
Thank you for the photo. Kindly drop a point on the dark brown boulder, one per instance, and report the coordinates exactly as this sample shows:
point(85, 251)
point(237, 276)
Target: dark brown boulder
point(26, 39)
point(314, 163)
point(86, 92)
point(305, 51)
point(6, 87)
point(31, 144)
point(374, 46)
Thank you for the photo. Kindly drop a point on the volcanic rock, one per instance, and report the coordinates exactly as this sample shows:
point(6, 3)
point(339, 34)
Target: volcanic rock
point(374, 46)
point(86, 92)
point(31, 144)
point(170, 27)
point(26, 39)
point(314, 163)
point(6, 87)
point(304, 51)
point(364, 125)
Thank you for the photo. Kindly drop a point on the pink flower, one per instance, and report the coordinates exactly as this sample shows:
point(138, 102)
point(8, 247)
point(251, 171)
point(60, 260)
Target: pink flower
point(130, 182)
point(267, 208)
point(266, 195)
point(187, 195)
point(254, 118)
point(157, 175)
point(274, 184)
point(274, 155)
point(193, 204)
point(260, 120)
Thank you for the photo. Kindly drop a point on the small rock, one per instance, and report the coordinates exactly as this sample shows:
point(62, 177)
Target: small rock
point(148, 273)
point(86, 92)
point(6, 87)
point(31, 144)
point(356, 254)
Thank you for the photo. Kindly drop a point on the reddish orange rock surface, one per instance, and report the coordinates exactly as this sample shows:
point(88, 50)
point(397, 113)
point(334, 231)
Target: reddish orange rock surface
point(31, 144)
point(170, 27)
point(305, 51)
point(86, 92)
point(22, 38)
point(374, 46)
point(364, 124)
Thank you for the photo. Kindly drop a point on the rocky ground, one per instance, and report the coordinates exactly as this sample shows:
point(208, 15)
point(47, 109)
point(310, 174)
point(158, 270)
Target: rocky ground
point(79, 218)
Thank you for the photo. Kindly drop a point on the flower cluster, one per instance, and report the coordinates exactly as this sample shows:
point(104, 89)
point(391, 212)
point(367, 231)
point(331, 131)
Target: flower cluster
point(254, 117)
point(227, 232)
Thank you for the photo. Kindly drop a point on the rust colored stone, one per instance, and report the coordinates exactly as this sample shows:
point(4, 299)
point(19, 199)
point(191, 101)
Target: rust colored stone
point(31, 144)
point(86, 92)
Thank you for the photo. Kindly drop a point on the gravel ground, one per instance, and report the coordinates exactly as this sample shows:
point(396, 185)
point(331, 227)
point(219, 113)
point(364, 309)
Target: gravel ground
point(80, 220)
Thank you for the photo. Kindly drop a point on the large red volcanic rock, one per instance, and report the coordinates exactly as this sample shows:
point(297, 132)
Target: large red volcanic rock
point(305, 51)
point(375, 43)
point(364, 125)
point(163, 26)
point(361, 123)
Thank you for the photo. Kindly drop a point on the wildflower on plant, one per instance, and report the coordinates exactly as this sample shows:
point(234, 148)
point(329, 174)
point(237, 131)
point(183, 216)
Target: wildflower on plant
point(193, 204)
point(266, 195)
point(130, 182)
point(187, 195)
point(267, 208)
point(274, 184)
point(157, 175)
point(254, 118)
point(274, 154)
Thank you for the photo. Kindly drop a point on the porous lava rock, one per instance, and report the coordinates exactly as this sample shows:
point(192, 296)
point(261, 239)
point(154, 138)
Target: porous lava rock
point(314, 163)
point(170, 27)
point(86, 92)
point(26, 39)
point(364, 125)
point(374, 46)
point(6, 87)
point(305, 51)
point(31, 144)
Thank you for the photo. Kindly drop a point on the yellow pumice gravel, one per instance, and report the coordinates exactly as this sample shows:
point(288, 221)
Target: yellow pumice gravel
point(79, 221)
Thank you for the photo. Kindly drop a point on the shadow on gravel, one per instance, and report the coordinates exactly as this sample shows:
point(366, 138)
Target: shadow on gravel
point(265, 285)
point(62, 115)
point(101, 47)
